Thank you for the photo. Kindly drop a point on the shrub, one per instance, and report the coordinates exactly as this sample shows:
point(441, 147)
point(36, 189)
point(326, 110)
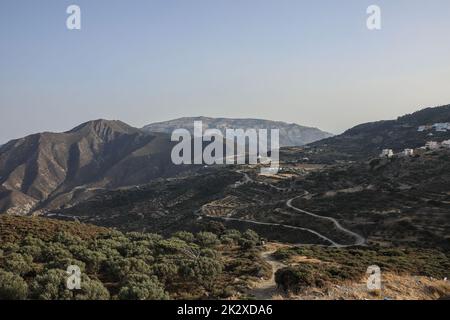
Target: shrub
point(51, 285)
point(233, 234)
point(207, 239)
point(66, 238)
point(12, 286)
point(92, 259)
point(10, 248)
point(64, 263)
point(165, 271)
point(246, 244)
point(136, 248)
point(33, 250)
point(55, 251)
point(251, 235)
point(202, 269)
point(142, 287)
point(18, 263)
point(295, 278)
point(92, 290)
point(185, 236)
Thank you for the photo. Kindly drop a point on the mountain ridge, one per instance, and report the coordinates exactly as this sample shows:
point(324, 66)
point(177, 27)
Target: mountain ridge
point(368, 139)
point(46, 167)
point(291, 134)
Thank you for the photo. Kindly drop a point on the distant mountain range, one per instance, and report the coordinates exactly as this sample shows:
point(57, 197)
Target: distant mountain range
point(291, 134)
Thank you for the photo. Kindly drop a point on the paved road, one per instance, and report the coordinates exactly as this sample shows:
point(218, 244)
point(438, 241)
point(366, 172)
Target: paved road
point(277, 225)
point(359, 240)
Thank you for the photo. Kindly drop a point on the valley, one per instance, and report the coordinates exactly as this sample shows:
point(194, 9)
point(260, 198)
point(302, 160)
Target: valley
point(307, 232)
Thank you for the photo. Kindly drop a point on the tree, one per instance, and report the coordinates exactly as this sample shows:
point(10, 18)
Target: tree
point(92, 290)
point(135, 248)
point(66, 238)
point(202, 269)
point(92, 259)
point(53, 251)
point(185, 236)
point(142, 287)
point(51, 285)
point(295, 278)
point(166, 271)
point(230, 237)
point(118, 268)
point(64, 263)
point(249, 239)
point(207, 239)
point(251, 235)
point(33, 250)
point(18, 263)
point(12, 287)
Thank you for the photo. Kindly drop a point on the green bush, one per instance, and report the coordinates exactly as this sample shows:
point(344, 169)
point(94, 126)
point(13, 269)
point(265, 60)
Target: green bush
point(166, 271)
point(12, 286)
point(126, 266)
point(55, 251)
point(92, 290)
point(142, 287)
point(251, 235)
point(295, 278)
point(185, 236)
point(51, 285)
point(207, 239)
point(18, 263)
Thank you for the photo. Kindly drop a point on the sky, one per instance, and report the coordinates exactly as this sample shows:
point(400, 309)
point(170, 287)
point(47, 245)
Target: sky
point(314, 62)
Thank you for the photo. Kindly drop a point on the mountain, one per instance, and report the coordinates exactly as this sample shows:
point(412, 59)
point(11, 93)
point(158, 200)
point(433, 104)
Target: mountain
point(367, 140)
point(290, 134)
point(47, 170)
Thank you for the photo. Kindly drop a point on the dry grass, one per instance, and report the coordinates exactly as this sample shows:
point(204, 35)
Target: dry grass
point(394, 287)
point(15, 228)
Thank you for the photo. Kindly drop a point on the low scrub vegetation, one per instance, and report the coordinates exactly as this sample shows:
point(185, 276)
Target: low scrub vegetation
point(116, 265)
point(322, 265)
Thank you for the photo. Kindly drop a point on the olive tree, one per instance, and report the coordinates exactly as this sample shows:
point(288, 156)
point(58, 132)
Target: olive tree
point(51, 285)
point(18, 263)
point(142, 287)
point(12, 286)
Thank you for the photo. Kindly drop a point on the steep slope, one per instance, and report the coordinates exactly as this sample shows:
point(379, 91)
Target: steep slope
point(49, 169)
point(290, 134)
point(367, 140)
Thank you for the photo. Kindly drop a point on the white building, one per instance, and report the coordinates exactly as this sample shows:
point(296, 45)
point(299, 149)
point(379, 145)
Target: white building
point(432, 145)
point(387, 153)
point(445, 144)
point(425, 128)
point(408, 152)
point(441, 127)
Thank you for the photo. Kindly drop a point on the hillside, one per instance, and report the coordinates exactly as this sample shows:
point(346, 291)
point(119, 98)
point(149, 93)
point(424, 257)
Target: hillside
point(290, 134)
point(47, 170)
point(36, 252)
point(401, 201)
point(367, 140)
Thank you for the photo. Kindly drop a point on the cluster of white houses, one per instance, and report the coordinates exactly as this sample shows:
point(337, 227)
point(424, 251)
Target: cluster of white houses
point(439, 127)
point(430, 145)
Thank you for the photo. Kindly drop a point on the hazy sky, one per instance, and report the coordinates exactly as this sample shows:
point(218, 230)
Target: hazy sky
point(310, 62)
